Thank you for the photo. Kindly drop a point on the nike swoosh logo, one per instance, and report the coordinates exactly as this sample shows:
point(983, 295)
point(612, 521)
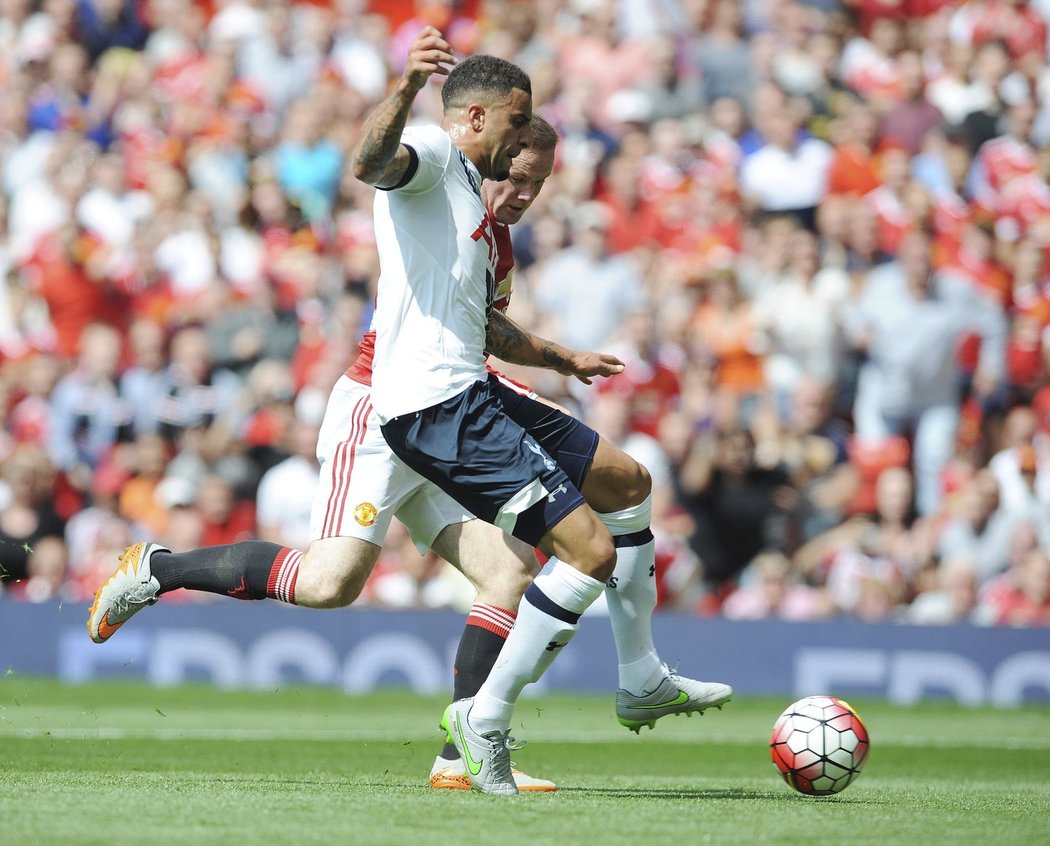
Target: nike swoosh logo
point(473, 767)
point(678, 700)
point(105, 630)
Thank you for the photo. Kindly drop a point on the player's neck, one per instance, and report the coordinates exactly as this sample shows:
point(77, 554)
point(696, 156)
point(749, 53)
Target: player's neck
point(463, 139)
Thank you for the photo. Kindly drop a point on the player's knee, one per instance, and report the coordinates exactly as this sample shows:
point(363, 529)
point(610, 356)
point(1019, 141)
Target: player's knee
point(639, 485)
point(330, 587)
point(504, 589)
point(633, 485)
point(515, 586)
point(622, 483)
point(601, 557)
point(336, 594)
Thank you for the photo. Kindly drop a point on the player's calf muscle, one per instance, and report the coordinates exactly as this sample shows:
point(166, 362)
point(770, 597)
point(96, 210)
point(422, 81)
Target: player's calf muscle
point(328, 580)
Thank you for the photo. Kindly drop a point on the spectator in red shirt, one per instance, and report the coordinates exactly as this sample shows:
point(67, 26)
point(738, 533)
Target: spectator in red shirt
point(975, 262)
point(889, 200)
point(225, 518)
point(1015, 22)
point(1026, 354)
point(853, 170)
point(1023, 208)
point(1004, 157)
point(1020, 597)
point(75, 290)
point(633, 219)
point(648, 378)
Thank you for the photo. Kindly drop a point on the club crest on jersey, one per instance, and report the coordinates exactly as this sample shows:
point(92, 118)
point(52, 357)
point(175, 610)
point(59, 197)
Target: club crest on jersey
point(365, 514)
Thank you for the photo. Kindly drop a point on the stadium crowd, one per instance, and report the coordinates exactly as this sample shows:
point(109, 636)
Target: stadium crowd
point(817, 231)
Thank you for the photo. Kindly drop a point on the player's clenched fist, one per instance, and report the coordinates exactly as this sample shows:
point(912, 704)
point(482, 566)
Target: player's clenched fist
point(429, 54)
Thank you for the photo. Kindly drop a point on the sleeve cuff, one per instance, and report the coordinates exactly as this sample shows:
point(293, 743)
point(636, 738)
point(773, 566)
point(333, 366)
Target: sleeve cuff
point(410, 171)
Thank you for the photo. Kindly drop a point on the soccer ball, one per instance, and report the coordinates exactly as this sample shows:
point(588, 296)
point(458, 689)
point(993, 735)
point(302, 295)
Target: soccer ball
point(819, 745)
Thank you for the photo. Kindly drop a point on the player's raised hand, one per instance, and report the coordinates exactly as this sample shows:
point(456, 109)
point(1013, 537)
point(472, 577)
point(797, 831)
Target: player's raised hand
point(380, 159)
point(429, 54)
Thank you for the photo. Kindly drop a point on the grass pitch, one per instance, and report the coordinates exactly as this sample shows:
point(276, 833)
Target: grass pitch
point(129, 764)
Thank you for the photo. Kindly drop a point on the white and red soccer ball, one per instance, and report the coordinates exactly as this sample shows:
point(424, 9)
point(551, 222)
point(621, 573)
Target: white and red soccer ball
point(819, 745)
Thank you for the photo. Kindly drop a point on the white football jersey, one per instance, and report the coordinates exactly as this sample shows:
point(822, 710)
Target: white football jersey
point(437, 260)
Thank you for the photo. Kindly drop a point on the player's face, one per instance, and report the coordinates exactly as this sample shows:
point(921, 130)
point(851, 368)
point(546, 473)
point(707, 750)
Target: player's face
point(508, 131)
point(511, 198)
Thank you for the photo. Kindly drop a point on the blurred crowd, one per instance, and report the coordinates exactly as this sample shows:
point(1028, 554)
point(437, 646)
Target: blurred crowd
point(817, 231)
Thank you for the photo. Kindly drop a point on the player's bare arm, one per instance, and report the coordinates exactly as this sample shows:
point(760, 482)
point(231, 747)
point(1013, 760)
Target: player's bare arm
point(380, 158)
point(506, 340)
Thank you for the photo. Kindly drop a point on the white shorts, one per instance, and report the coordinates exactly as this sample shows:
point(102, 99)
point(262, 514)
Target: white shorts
point(363, 484)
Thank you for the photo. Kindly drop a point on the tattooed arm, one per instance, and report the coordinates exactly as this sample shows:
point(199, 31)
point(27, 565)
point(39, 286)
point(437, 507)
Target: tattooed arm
point(508, 341)
point(380, 158)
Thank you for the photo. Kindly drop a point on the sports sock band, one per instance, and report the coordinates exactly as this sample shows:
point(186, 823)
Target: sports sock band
point(246, 570)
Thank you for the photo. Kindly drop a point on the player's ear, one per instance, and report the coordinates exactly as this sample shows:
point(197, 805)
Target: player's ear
point(476, 116)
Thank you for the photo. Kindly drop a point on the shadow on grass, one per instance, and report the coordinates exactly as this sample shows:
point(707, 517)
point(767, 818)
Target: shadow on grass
point(382, 784)
point(724, 794)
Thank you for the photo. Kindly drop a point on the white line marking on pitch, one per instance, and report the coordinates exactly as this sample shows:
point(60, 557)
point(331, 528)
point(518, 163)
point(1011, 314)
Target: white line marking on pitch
point(357, 735)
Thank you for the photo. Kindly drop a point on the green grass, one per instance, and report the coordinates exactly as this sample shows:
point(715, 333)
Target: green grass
point(134, 765)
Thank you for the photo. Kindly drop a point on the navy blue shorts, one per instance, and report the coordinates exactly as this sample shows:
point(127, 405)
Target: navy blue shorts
point(570, 442)
point(472, 448)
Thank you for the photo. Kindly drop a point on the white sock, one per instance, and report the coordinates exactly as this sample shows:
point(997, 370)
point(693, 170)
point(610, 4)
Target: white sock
point(631, 596)
point(547, 619)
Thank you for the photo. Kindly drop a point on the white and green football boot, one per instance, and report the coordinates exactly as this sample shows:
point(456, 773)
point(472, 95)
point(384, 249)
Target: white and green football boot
point(486, 757)
point(674, 695)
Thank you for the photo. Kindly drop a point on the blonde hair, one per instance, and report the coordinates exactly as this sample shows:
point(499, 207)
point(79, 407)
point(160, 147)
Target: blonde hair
point(544, 136)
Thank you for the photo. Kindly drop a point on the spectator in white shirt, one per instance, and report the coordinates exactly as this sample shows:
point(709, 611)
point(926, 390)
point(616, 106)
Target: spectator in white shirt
point(282, 504)
point(787, 174)
point(1022, 467)
point(586, 291)
point(908, 323)
point(982, 530)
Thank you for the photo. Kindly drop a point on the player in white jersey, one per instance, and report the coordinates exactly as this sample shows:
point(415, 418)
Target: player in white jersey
point(487, 447)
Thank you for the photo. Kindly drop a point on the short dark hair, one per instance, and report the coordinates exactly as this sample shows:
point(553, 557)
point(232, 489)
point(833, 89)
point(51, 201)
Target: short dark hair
point(544, 136)
point(483, 76)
